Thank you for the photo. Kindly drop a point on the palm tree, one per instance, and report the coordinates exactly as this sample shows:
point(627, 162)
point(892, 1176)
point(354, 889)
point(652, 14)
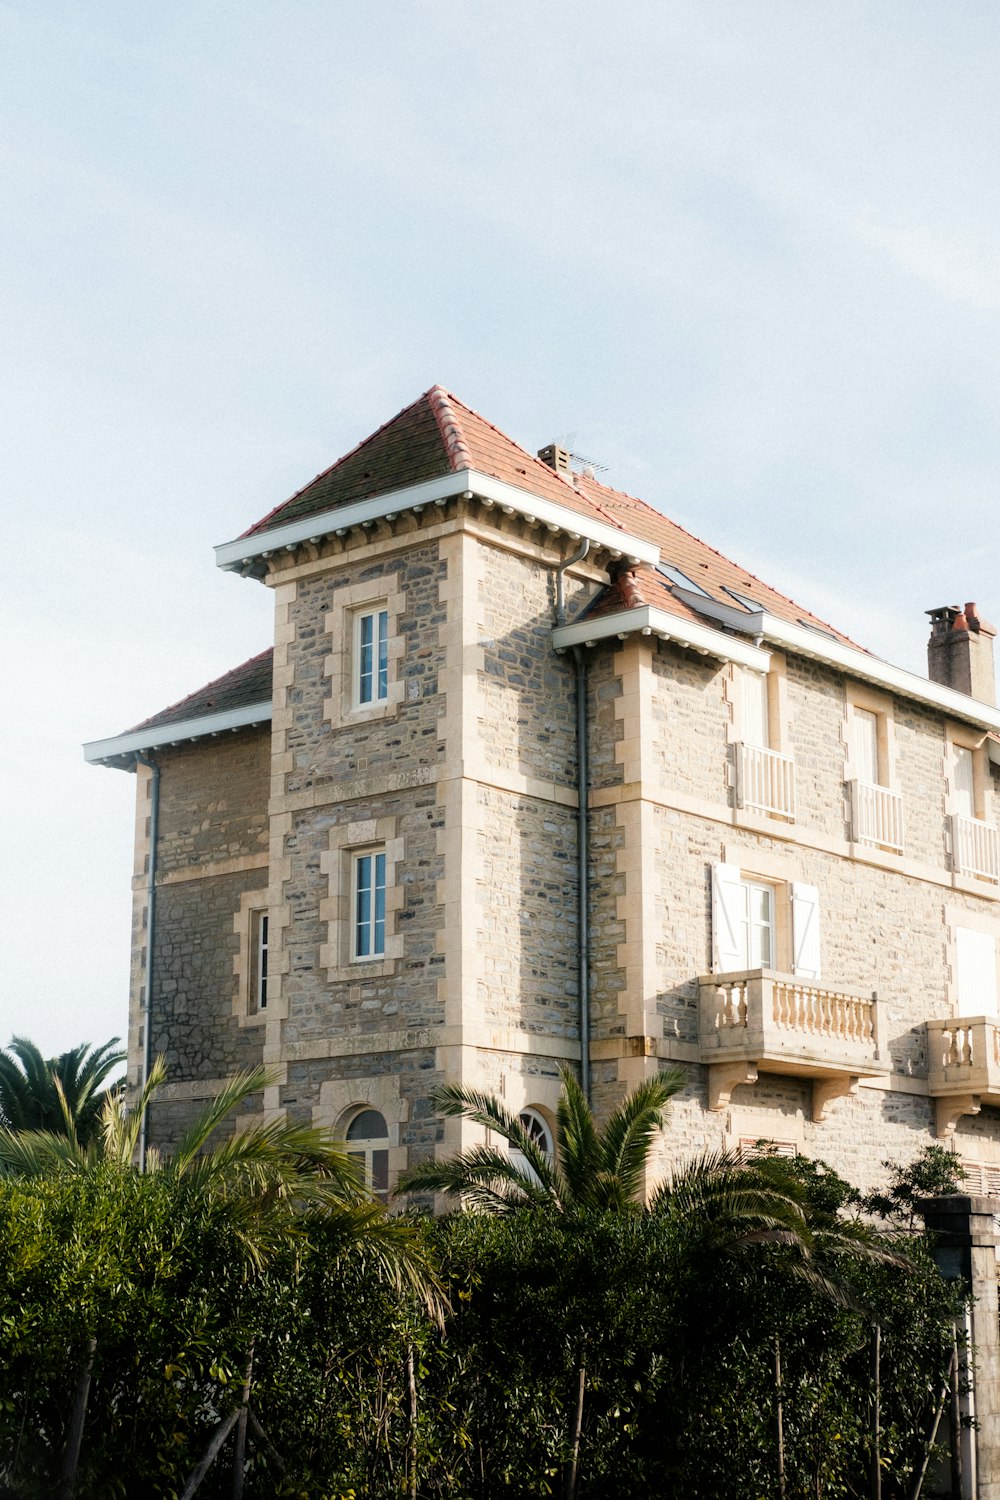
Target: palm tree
point(34, 1090)
point(600, 1169)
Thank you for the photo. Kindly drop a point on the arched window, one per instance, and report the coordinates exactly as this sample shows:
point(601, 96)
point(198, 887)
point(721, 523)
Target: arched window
point(368, 1145)
point(537, 1128)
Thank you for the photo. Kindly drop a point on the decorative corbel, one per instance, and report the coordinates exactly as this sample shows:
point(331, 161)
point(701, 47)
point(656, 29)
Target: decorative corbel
point(950, 1109)
point(826, 1090)
point(724, 1077)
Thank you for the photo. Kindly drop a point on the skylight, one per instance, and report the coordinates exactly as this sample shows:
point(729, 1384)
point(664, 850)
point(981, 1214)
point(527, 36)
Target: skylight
point(681, 580)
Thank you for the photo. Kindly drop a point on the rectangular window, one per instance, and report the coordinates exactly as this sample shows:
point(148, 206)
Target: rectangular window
point(369, 905)
point(258, 961)
point(749, 931)
point(372, 656)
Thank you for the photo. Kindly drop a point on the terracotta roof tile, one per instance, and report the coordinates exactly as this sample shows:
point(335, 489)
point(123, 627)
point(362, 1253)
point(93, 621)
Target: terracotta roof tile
point(438, 435)
point(435, 436)
point(701, 563)
point(246, 684)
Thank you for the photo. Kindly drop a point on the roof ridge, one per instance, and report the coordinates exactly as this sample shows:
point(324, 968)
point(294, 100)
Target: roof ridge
point(450, 428)
point(450, 400)
point(410, 406)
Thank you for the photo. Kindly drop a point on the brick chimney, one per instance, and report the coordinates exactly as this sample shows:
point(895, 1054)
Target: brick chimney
point(960, 652)
point(557, 458)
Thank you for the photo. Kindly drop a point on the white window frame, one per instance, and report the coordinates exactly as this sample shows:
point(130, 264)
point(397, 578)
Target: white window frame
point(371, 1152)
point(794, 923)
point(368, 929)
point(260, 933)
point(371, 683)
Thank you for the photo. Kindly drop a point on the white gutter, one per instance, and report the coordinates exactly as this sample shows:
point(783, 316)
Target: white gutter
point(648, 620)
point(814, 643)
point(857, 663)
point(468, 482)
point(157, 735)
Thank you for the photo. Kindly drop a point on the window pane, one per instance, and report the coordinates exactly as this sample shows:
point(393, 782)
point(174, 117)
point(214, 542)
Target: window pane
point(866, 746)
point(369, 1125)
point(380, 1171)
point(363, 915)
point(378, 924)
point(366, 658)
point(383, 655)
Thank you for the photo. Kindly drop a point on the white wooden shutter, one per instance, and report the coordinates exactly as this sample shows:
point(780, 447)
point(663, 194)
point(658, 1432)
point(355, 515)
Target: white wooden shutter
point(805, 930)
point(965, 783)
point(755, 725)
point(866, 746)
point(977, 972)
point(728, 946)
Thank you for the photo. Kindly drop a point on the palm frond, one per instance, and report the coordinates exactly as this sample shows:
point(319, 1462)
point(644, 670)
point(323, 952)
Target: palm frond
point(35, 1153)
point(239, 1088)
point(481, 1175)
point(627, 1137)
point(578, 1146)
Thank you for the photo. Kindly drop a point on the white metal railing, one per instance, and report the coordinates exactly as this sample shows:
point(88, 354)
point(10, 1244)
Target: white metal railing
point(876, 815)
point(975, 847)
point(765, 780)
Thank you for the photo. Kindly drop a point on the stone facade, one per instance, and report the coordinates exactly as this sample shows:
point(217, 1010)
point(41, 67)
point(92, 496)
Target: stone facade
point(737, 752)
point(460, 776)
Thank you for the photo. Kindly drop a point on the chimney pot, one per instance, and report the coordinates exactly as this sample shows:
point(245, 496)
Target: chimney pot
point(960, 651)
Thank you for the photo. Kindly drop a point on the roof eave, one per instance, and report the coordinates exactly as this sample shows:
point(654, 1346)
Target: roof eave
point(646, 619)
point(799, 639)
point(121, 749)
point(241, 555)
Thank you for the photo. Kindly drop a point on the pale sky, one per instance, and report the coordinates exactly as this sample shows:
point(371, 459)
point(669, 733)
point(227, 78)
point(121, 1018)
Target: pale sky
point(747, 255)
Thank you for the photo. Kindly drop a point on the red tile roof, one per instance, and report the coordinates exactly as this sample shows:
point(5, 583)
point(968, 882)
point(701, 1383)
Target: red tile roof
point(246, 684)
point(439, 435)
point(435, 436)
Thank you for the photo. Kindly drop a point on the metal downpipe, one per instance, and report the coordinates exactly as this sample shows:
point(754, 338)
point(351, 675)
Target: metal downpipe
point(582, 847)
point(147, 1003)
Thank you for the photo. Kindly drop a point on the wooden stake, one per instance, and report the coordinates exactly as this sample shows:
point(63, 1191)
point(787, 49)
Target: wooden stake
point(779, 1415)
point(78, 1415)
point(411, 1440)
point(572, 1468)
point(929, 1444)
point(240, 1445)
point(219, 1436)
point(876, 1412)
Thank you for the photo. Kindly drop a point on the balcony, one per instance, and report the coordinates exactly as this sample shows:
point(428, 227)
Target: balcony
point(975, 848)
point(963, 1068)
point(780, 1024)
point(765, 781)
point(876, 815)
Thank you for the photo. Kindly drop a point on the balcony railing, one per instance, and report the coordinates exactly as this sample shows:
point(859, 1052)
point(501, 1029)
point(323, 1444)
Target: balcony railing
point(876, 815)
point(783, 1024)
point(963, 1067)
point(975, 847)
point(765, 781)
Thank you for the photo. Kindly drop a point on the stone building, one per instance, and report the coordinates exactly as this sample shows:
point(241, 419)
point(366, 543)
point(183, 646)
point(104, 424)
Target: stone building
point(364, 857)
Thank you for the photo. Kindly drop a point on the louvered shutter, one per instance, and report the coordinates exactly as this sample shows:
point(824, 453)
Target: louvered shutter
point(805, 930)
point(728, 945)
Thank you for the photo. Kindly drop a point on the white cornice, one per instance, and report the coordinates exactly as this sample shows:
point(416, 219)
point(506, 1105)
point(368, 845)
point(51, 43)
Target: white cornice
point(244, 551)
point(799, 639)
point(858, 663)
point(153, 738)
point(648, 620)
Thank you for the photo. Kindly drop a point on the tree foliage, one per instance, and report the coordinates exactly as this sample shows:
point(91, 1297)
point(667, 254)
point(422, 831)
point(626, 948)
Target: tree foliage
point(43, 1094)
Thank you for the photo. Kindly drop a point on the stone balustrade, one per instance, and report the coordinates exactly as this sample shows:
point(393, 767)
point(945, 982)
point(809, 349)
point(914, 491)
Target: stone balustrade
point(779, 1023)
point(963, 1067)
